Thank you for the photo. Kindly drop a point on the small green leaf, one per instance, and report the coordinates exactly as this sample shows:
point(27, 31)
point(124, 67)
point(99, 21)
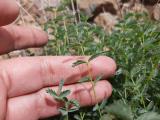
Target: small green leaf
point(84, 79)
point(52, 93)
point(95, 56)
point(73, 109)
point(64, 93)
point(79, 62)
point(63, 111)
point(60, 87)
point(75, 103)
point(65, 99)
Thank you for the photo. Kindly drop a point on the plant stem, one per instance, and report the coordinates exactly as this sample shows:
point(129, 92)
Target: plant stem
point(93, 86)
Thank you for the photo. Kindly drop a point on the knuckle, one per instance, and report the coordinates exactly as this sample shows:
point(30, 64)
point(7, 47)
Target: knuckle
point(47, 71)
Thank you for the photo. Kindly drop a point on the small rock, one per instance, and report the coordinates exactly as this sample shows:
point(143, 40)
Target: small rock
point(43, 4)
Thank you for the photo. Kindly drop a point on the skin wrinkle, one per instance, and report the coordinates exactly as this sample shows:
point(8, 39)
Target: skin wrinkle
point(15, 36)
point(83, 70)
point(35, 40)
point(68, 60)
point(38, 103)
point(35, 108)
point(6, 77)
point(72, 78)
point(81, 58)
point(46, 68)
point(12, 38)
point(79, 93)
point(89, 93)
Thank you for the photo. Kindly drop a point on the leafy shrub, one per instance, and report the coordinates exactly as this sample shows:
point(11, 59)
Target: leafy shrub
point(134, 44)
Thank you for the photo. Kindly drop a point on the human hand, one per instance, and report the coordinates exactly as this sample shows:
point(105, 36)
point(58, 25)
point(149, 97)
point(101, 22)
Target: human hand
point(24, 81)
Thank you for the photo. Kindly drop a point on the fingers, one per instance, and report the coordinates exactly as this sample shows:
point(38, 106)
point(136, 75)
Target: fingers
point(42, 105)
point(9, 11)
point(14, 37)
point(27, 75)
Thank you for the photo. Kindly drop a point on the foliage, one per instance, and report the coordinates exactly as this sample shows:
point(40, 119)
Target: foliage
point(135, 46)
point(61, 96)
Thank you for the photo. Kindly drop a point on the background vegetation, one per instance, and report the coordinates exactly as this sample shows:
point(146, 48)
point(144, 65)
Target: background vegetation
point(135, 46)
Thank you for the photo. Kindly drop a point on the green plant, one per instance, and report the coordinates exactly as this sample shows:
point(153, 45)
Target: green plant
point(122, 111)
point(135, 46)
point(61, 96)
point(89, 78)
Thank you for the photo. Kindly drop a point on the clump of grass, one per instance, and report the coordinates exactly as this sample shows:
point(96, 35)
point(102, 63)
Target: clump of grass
point(135, 46)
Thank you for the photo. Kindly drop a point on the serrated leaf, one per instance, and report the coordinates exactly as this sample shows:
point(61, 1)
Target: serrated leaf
point(120, 110)
point(60, 87)
point(78, 62)
point(95, 56)
point(73, 109)
point(54, 94)
point(63, 111)
point(65, 99)
point(84, 79)
point(51, 92)
point(64, 93)
point(149, 116)
point(75, 103)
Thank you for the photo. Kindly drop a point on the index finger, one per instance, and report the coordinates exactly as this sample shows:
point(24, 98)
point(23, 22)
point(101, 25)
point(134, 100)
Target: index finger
point(27, 75)
point(9, 11)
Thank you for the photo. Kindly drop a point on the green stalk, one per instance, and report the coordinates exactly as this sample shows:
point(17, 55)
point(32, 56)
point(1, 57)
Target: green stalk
point(93, 86)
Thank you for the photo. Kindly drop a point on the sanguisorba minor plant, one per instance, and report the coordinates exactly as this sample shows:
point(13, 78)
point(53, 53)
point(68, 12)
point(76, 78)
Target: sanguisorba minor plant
point(135, 46)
